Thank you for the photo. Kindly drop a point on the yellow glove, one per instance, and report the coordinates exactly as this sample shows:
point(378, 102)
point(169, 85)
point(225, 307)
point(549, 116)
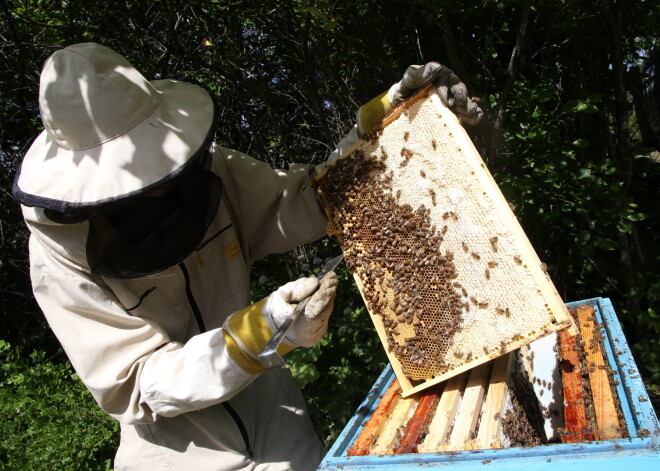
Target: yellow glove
point(247, 331)
point(452, 92)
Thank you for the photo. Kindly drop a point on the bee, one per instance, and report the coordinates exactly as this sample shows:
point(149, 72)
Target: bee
point(422, 173)
point(407, 155)
point(487, 274)
point(465, 247)
point(406, 135)
point(493, 243)
point(434, 144)
point(492, 264)
point(475, 256)
point(517, 259)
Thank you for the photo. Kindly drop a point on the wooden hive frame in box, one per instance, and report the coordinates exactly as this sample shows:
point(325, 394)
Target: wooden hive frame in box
point(447, 273)
point(515, 400)
point(576, 414)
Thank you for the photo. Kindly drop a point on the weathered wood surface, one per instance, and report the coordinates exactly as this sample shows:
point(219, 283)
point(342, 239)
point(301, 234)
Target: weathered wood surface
point(603, 401)
point(466, 419)
point(575, 416)
point(419, 421)
point(444, 415)
point(489, 427)
point(376, 422)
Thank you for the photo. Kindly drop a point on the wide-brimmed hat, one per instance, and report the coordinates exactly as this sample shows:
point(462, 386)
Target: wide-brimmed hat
point(109, 133)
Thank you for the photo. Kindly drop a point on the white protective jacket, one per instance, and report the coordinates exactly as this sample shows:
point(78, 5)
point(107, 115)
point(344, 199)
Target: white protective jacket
point(151, 350)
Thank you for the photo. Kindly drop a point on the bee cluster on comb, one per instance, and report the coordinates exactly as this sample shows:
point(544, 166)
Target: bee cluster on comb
point(444, 268)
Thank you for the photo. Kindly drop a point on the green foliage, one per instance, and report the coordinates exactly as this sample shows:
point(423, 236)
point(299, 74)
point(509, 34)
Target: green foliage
point(48, 420)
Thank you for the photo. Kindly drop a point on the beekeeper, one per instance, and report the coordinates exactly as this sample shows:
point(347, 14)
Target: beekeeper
point(142, 234)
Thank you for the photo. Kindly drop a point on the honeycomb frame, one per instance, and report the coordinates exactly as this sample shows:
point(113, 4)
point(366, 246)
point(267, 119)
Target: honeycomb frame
point(447, 273)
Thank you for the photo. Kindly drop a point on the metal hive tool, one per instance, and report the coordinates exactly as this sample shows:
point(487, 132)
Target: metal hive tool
point(447, 273)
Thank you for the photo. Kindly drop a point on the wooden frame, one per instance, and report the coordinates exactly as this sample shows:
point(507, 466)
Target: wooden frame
point(439, 169)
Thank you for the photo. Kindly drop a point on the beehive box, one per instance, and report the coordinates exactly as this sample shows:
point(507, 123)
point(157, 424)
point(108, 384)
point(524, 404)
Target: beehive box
point(447, 273)
point(470, 422)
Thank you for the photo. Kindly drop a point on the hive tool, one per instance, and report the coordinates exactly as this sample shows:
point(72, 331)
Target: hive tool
point(268, 356)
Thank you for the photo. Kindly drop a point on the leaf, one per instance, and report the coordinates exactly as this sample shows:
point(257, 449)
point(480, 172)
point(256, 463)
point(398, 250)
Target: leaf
point(653, 293)
point(623, 226)
point(586, 108)
point(305, 374)
point(583, 238)
point(585, 173)
point(579, 106)
point(606, 244)
point(568, 222)
point(636, 217)
point(330, 25)
point(581, 143)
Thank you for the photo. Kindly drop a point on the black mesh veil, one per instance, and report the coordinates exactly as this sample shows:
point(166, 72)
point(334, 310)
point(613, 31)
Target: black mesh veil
point(157, 230)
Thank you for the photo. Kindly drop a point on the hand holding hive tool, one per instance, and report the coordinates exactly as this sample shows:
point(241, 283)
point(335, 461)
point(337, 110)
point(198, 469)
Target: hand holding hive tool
point(317, 301)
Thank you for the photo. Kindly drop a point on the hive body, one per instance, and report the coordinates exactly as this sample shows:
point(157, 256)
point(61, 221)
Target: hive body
point(448, 275)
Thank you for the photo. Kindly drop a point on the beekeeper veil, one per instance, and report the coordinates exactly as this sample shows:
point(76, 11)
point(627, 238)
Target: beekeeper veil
point(126, 158)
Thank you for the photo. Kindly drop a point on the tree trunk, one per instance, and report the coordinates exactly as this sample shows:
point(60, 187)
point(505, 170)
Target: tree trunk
point(511, 75)
point(611, 14)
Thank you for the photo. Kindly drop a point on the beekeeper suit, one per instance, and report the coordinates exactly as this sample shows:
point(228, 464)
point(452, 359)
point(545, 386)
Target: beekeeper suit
point(142, 234)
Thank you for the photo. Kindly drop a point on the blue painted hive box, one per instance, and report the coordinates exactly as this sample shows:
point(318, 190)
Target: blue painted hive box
point(561, 401)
